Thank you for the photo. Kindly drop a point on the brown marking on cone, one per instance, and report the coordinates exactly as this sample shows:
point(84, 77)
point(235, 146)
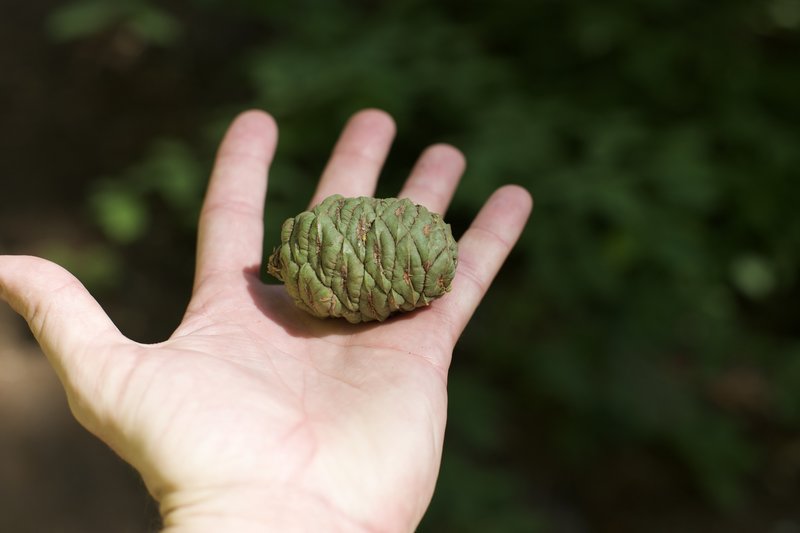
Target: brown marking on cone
point(376, 253)
point(371, 304)
point(309, 294)
point(330, 299)
point(361, 230)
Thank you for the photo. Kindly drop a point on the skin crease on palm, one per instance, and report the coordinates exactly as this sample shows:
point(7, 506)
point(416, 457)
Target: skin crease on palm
point(254, 415)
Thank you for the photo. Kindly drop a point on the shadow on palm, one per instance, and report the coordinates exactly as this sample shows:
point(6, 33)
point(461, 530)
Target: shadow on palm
point(403, 332)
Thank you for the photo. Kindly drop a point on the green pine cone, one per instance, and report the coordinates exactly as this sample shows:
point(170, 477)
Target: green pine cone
point(365, 258)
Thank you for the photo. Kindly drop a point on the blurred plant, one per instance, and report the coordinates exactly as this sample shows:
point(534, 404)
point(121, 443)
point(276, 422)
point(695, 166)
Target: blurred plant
point(170, 173)
point(97, 265)
point(140, 18)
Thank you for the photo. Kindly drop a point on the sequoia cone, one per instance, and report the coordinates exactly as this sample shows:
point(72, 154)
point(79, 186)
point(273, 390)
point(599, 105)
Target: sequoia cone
point(365, 258)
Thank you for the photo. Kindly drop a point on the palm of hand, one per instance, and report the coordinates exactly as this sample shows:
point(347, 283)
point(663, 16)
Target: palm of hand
point(311, 402)
point(253, 398)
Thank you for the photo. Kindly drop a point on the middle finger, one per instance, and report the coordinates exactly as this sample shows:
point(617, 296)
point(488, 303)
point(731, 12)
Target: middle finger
point(358, 156)
point(434, 178)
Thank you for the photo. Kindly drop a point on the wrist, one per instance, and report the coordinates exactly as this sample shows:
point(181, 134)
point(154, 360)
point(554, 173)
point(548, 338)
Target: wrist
point(246, 510)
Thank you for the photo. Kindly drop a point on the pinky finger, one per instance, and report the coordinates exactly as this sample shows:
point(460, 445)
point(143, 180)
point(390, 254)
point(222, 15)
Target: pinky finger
point(483, 249)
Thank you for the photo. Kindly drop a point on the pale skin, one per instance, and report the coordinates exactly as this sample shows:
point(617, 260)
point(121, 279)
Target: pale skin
point(254, 416)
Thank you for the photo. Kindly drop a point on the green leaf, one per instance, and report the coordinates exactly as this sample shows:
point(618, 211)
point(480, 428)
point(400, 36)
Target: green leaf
point(121, 214)
point(87, 17)
point(81, 19)
point(173, 171)
point(154, 25)
point(753, 275)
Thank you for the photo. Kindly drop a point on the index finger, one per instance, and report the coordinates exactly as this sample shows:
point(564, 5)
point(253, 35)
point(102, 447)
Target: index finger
point(231, 225)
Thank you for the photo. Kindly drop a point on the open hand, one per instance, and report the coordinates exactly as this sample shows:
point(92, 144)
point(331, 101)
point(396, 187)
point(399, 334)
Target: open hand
point(254, 415)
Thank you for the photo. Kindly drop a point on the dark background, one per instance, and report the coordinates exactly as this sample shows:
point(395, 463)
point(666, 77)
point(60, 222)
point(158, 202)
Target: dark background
point(635, 367)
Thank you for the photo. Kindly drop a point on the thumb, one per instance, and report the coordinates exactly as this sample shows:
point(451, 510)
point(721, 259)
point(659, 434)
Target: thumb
point(66, 321)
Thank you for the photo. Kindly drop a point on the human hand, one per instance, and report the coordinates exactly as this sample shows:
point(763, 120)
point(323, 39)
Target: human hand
point(254, 415)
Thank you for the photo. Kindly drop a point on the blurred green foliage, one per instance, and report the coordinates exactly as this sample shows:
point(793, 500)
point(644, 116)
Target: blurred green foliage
point(87, 17)
point(169, 173)
point(650, 305)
